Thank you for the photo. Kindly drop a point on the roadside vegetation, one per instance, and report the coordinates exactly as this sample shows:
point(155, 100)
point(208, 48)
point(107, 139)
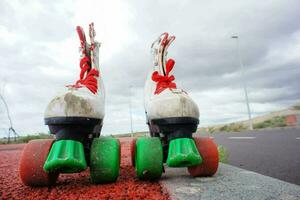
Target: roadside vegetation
point(296, 107)
point(135, 134)
point(271, 123)
point(27, 138)
point(274, 122)
point(223, 154)
point(233, 127)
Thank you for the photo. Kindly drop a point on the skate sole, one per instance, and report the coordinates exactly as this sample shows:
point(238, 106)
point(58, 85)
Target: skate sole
point(174, 127)
point(72, 120)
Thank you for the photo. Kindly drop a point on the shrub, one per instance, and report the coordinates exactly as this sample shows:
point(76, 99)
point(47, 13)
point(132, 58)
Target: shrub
point(278, 121)
point(27, 138)
point(223, 154)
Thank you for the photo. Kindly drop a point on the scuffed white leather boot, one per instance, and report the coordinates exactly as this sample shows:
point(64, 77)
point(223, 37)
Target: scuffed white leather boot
point(165, 103)
point(83, 102)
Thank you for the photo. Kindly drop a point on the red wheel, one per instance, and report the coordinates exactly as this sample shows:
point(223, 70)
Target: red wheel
point(32, 161)
point(210, 156)
point(132, 151)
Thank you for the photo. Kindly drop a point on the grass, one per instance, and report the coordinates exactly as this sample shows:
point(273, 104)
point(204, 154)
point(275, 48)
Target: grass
point(27, 138)
point(233, 127)
point(296, 107)
point(135, 134)
point(278, 121)
point(223, 154)
point(275, 122)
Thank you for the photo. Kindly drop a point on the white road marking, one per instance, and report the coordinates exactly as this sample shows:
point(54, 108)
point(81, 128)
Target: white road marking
point(238, 138)
point(297, 138)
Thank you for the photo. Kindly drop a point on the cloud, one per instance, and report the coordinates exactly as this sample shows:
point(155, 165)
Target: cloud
point(39, 56)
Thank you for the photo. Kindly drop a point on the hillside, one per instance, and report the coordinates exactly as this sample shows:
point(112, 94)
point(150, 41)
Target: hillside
point(270, 120)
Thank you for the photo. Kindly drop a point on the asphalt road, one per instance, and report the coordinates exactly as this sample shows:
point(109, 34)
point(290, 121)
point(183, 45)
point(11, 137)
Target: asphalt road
point(274, 153)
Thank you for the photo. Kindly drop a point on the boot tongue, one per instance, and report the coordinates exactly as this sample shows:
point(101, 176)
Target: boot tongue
point(89, 74)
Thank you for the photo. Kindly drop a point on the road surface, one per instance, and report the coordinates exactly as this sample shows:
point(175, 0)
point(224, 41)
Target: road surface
point(274, 153)
point(228, 183)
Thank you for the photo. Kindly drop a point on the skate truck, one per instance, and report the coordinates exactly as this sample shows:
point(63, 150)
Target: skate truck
point(172, 117)
point(75, 118)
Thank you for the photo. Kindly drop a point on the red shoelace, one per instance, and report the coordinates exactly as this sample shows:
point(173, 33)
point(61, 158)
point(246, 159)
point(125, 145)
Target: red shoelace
point(164, 82)
point(88, 75)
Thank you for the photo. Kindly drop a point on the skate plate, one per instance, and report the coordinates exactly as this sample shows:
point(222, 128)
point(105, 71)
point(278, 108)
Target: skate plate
point(183, 153)
point(66, 156)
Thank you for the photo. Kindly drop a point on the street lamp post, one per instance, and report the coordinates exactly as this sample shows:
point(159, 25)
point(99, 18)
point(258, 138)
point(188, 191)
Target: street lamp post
point(244, 82)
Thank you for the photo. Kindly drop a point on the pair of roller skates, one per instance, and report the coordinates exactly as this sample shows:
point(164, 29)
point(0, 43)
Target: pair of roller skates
point(76, 116)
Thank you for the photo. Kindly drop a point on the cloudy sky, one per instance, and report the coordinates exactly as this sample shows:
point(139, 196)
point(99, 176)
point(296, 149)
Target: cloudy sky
point(39, 55)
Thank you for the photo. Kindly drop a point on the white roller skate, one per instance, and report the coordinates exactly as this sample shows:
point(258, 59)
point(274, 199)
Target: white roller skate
point(75, 118)
point(172, 117)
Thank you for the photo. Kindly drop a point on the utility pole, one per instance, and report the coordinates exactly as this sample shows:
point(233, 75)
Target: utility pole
point(236, 37)
point(11, 129)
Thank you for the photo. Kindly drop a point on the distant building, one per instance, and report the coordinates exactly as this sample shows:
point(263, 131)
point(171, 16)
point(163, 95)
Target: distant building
point(292, 120)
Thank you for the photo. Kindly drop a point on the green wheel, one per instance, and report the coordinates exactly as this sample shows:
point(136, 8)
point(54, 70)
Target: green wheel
point(148, 158)
point(105, 160)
